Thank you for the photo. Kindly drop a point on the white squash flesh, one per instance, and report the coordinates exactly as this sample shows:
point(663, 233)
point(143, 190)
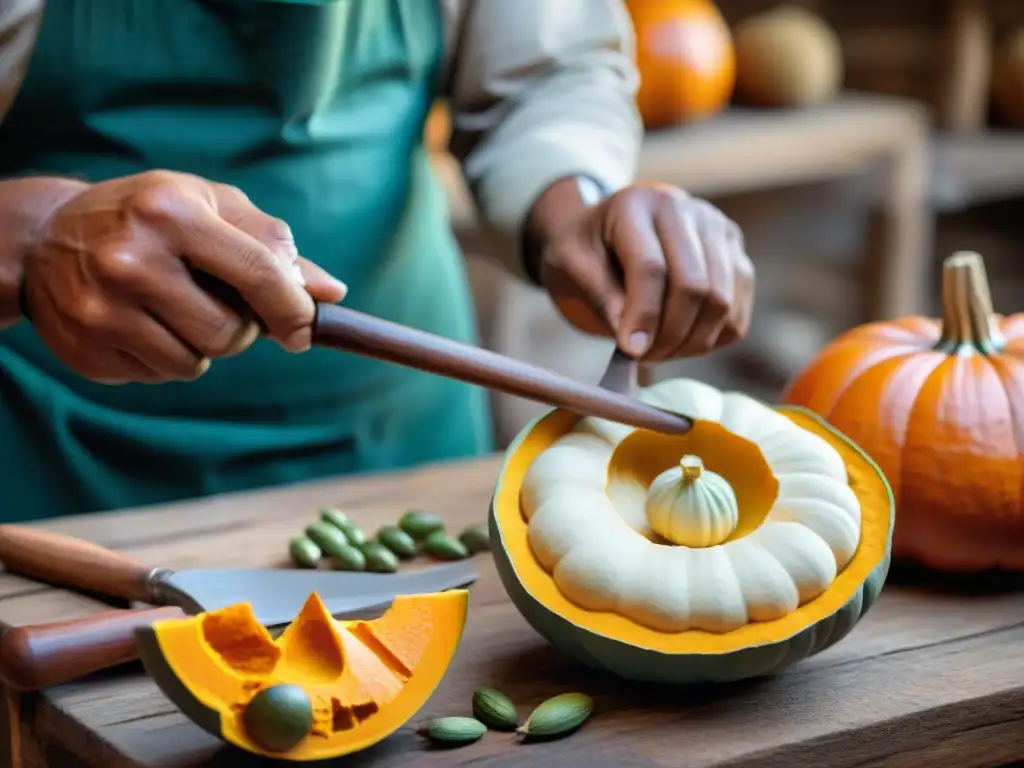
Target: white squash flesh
point(591, 532)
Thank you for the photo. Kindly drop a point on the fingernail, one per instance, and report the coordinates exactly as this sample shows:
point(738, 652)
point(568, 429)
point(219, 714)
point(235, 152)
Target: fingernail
point(340, 286)
point(638, 342)
point(298, 341)
point(297, 272)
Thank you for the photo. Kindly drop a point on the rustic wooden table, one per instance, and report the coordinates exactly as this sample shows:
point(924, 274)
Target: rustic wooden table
point(926, 680)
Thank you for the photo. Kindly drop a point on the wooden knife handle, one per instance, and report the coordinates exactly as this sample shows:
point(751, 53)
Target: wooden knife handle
point(38, 656)
point(72, 562)
point(370, 336)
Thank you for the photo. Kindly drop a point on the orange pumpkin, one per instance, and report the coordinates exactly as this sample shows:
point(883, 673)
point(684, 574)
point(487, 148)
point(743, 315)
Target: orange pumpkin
point(939, 405)
point(686, 60)
point(438, 128)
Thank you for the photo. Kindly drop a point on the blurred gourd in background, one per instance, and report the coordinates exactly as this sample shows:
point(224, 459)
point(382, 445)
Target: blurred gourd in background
point(787, 57)
point(686, 60)
point(1008, 79)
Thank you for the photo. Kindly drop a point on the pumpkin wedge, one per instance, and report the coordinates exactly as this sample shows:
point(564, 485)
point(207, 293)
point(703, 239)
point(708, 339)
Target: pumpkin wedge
point(713, 583)
point(323, 689)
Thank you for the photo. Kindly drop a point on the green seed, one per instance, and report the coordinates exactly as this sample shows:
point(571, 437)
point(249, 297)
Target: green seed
point(398, 541)
point(304, 552)
point(557, 716)
point(379, 558)
point(354, 534)
point(420, 524)
point(335, 517)
point(439, 546)
point(494, 709)
point(330, 539)
point(349, 558)
point(476, 538)
point(279, 717)
point(454, 730)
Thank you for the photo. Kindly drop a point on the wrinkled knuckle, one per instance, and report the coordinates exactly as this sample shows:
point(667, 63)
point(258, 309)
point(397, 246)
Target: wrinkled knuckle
point(231, 192)
point(223, 339)
point(278, 234)
point(652, 268)
point(121, 266)
point(717, 302)
point(91, 311)
point(693, 290)
point(258, 263)
point(158, 202)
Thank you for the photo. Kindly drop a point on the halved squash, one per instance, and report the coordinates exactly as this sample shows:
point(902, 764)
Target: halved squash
point(327, 687)
point(804, 560)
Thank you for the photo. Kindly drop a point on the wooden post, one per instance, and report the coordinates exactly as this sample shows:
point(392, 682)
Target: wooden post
point(968, 63)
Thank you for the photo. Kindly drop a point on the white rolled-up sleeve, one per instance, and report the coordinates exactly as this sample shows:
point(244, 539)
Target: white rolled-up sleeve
point(540, 90)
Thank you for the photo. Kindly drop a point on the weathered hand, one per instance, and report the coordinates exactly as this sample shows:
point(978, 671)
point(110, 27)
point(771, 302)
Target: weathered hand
point(111, 279)
point(664, 273)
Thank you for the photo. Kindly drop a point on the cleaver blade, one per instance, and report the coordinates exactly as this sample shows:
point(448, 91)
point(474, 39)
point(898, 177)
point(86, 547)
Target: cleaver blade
point(278, 595)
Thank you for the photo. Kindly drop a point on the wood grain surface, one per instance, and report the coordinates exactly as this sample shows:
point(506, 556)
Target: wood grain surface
point(928, 680)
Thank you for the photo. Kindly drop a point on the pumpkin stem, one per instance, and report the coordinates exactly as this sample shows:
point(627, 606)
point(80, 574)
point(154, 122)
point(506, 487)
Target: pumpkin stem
point(968, 320)
point(692, 466)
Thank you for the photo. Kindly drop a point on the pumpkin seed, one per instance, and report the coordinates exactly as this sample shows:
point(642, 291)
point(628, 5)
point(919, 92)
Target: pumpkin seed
point(494, 709)
point(476, 538)
point(420, 524)
point(279, 717)
point(349, 558)
point(439, 546)
point(398, 541)
point(330, 539)
point(304, 552)
point(454, 730)
point(379, 558)
point(354, 534)
point(557, 716)
point(335, 517)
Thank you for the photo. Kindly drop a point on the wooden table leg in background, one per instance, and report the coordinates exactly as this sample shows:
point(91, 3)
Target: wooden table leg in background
point(898, 271)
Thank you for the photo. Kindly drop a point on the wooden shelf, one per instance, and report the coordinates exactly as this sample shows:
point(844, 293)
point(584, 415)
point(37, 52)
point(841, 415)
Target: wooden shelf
point(976, 168)
point(749, 149)
point(745, 150)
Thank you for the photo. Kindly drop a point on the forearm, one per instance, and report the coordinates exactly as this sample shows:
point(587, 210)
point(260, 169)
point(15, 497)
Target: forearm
point(25, 207)
point(556, 104)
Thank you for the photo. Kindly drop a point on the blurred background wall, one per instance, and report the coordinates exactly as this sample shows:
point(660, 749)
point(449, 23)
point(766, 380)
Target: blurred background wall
point(855, 143)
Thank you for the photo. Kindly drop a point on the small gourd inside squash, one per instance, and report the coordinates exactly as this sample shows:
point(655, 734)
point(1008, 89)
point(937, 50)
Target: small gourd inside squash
point(323, 689)
point(615, 555)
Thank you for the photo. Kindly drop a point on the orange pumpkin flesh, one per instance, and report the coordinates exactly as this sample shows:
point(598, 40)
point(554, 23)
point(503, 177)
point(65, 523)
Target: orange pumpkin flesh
point(365, 678)
point(686, 60)
point(939, 405)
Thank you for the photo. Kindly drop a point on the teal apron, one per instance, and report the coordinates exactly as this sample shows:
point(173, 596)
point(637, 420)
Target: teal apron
point(316, 110)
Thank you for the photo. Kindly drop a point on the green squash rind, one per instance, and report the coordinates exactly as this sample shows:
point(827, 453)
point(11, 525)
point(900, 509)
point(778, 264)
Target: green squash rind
point(147, 643)
point(647, 665)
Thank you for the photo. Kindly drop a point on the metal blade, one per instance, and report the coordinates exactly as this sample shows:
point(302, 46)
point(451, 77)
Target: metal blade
point(277, 595)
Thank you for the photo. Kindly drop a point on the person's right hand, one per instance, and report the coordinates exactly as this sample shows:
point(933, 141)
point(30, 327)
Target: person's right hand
point(111, 289)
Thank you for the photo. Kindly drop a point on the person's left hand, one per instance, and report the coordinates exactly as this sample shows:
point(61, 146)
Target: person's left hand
point(664, 273)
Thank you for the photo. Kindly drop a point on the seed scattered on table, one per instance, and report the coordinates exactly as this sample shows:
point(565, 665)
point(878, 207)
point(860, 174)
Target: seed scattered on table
point(476, 538)
point(439, 546)
point(494, 709)
point(304, 552)
point(454, 731)
point(558, 716)
point(398, 541)
point(420, 524)
point(379, 558)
